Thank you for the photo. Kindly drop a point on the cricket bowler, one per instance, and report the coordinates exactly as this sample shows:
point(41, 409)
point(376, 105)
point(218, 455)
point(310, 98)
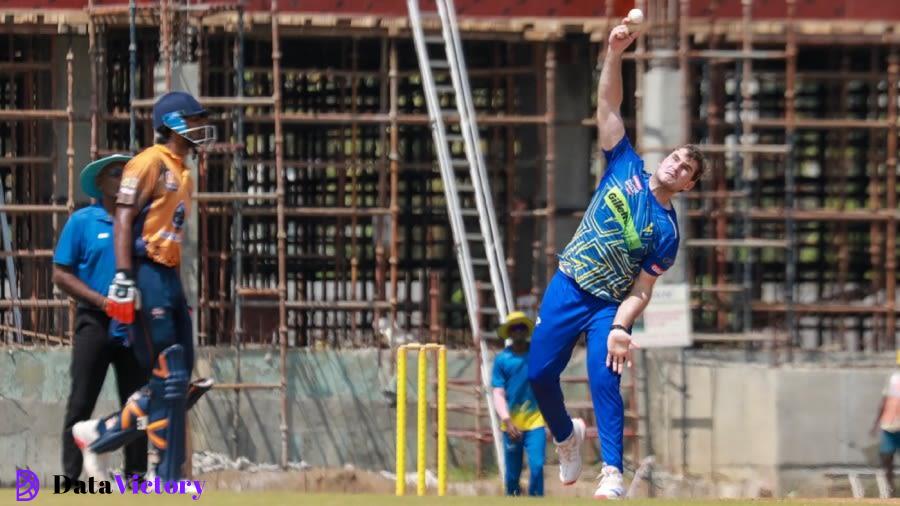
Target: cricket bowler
point(626, 240)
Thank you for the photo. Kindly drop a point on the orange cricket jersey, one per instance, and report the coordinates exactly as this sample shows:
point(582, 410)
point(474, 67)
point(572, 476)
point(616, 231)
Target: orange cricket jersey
point(159, 185)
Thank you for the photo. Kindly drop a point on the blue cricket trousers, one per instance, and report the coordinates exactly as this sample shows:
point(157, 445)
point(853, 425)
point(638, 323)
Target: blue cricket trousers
point(163, 319)
point(567, 311)
point(534, 443)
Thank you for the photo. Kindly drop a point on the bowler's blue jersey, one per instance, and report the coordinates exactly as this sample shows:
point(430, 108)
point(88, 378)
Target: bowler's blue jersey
point(625, 229)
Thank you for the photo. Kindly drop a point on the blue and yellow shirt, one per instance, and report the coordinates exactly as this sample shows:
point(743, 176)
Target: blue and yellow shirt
point(625, 229)
point(511, 374)
point(159, 185)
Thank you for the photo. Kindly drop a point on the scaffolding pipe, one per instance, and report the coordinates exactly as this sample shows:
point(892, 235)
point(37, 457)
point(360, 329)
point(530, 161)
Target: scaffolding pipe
point(132, 75)
point(237, 293)
point(790, 113)
point(394, 211)
point(70, 160)
point(550, 159)
point(282, 268)
point(891, 172)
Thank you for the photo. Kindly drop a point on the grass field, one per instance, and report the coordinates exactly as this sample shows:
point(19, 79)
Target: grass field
point(218, 498)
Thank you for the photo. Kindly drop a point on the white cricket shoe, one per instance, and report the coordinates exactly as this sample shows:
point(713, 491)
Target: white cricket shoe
point(569, 452)
point(611, 485)
point(84, 433)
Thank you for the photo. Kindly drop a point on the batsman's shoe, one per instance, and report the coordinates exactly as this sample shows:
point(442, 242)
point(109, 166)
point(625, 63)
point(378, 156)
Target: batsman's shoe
point(611, 485)
point(94, 464)
point(569, 452)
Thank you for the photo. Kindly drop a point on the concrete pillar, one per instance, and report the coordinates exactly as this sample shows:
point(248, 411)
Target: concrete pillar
point(574, 154)
point(529, 185)
point(82, 101)
point(662, 122)
point(661, 115)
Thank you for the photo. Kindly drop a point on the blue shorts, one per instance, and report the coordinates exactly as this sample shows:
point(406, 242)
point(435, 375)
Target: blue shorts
point(890, 442)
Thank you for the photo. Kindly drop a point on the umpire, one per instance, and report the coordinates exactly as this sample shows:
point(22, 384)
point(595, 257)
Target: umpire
point(83, 266)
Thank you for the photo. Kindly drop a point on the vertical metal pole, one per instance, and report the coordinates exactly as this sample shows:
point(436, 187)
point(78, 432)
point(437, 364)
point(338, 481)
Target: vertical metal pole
point(354, 188)
point(70, 155)
point(891, 170)
point(442, 421)
point(421, 421)
point(434, 310)
point(93, 53)
point(790, 265)
point(282, 266)
point(639, 68)
point(165, 35)
point(393, 76)
point(684, 414)
point(744, 170)
point(132, 72)
point(400, 466)
point(550, 159)
point(379, 232)
point(479, 380)
point(238, 230)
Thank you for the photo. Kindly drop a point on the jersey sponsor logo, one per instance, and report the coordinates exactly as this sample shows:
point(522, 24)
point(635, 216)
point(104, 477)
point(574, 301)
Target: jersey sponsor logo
point(657, 269)
point(178, 217)
point(171, 236)
point(127, 191)
point(102, 235)
point(129, 182)
point(171, 181)
point(618, 204)
point(633, 186)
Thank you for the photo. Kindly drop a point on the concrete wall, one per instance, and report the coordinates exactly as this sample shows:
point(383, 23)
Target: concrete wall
point(744, 422)
point(338, 411)
point(781, 427)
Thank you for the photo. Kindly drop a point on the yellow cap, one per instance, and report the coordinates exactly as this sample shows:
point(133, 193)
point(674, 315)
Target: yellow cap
point(515, 318)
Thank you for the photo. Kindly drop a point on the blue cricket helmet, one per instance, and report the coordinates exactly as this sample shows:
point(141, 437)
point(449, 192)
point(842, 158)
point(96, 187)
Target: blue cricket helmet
point(170, 112)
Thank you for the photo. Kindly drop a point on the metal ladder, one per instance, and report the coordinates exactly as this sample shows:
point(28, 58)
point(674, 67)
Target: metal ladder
point(477, 241)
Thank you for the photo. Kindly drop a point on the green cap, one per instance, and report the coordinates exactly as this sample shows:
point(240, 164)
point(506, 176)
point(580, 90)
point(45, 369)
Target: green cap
point(92, 170)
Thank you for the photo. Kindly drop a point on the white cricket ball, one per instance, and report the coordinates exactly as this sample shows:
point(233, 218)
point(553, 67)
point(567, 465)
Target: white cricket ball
point(636, 16)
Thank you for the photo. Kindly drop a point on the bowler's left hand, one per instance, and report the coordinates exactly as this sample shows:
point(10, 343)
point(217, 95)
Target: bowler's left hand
point(619, 346)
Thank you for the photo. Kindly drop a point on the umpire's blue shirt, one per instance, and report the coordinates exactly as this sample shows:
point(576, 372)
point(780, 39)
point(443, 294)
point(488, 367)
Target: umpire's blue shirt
point(86, 247)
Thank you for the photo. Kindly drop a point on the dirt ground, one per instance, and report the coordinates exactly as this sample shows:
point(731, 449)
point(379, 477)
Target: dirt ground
point(357, 481)
point(340, 481)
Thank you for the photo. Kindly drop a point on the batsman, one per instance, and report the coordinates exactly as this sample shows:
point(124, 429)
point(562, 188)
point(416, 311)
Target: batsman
point(626, 240)
point(151, 209)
